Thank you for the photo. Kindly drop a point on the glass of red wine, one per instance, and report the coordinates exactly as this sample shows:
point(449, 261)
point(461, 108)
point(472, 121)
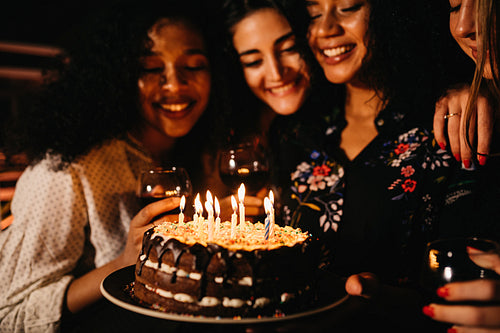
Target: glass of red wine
point(447, 260)
point(158, 184)
point(245, 163)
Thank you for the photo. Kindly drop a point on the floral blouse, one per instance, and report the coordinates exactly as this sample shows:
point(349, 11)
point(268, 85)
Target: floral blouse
point(375, 212)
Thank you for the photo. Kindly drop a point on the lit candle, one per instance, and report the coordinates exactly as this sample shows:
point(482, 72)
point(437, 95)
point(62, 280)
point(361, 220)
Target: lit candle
point(233, 217)
point(195, 215)
point(241, 198)
point(199, 211)
point(217, 219)
point(209, 198)
point(181, 214)
point(271, 213)
point(210, 227)
point(267, 224)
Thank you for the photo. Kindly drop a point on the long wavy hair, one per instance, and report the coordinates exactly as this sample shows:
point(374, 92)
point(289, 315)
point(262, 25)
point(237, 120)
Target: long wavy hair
point(488, 37)
point(94, 96)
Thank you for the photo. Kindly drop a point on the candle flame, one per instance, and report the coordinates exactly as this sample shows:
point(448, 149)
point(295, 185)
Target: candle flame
point(209, 197)
point(197, 205)
point(217, 206)
point(271, 197)
point(183, 203)
point(234, 203)
point(208, 207)
point(241, 193)
point(267, 205)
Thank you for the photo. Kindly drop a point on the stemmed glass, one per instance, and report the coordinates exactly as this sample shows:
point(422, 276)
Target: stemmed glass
point(447, 260)
point(244, 163)
point(158, 184)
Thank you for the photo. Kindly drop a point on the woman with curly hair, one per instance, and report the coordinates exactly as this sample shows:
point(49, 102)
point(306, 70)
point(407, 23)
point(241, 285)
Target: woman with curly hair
point(134, 94)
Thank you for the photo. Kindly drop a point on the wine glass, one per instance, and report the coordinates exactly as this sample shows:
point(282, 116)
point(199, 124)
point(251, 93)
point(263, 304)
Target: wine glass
point(244, 163)
point(158, 184)
point(447, 260)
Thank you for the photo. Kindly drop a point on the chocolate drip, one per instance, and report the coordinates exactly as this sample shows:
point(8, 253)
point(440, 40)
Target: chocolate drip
point(146, 249)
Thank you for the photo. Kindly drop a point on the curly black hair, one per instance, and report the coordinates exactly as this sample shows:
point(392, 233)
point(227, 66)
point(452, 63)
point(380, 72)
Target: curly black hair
point(94, 96)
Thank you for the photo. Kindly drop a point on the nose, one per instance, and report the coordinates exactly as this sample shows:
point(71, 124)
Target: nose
point(325, 26)
point(171, 79)
point(465, 26)
point(274, 68)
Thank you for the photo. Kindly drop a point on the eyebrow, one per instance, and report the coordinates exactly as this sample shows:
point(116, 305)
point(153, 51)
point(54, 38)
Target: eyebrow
point(278, 41)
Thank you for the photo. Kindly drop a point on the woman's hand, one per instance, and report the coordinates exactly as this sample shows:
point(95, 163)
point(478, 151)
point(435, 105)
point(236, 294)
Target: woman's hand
point(364, 284)
point(84, 291)
point(471, 318)
point(142, 222)
point(449, 113)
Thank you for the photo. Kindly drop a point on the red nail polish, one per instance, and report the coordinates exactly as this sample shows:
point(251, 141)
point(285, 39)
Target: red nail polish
point(466, 163)
point(428, 311)
point(481, 159)
point(451, 330)
point(442, 145)
point(443, 292)
point(457, 157)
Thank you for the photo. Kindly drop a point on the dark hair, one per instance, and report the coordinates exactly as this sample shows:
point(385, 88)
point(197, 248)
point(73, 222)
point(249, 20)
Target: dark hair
point(407, 61)
point(95, 97)
point(235, 11)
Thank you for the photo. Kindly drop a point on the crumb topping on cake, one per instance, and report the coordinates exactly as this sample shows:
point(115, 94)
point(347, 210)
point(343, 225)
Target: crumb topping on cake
point(248, 237)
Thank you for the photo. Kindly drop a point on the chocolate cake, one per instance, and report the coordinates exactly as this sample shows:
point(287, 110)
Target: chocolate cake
point(243, 274)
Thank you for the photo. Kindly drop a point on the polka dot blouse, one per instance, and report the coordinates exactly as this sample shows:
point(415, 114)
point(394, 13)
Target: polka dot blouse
point(66, 223)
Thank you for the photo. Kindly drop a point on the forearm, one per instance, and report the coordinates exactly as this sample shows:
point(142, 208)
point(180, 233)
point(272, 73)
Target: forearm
point(85, 290)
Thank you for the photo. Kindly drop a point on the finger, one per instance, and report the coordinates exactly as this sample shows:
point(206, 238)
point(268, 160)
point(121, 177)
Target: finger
point(485, 121)
point(254, 211)
point(487, 260)
point(469, 329)
point(253, 201)
point(454, 131)
point(484, 316)
point(465, 138)
point(476, 290)
point(363, 284)
point(439, 122)
point(149, 212)
point(263, 192)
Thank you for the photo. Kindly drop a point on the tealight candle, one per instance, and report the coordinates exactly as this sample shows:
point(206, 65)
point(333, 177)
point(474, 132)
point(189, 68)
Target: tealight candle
point(233, 217)
point(217, 219)
point(241, 198)
point(181, 214)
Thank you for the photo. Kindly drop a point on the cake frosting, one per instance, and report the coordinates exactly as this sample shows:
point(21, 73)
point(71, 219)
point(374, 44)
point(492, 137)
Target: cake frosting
point(233, 274)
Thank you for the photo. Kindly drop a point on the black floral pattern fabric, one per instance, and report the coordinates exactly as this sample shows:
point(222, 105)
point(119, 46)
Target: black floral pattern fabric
point(375, 212)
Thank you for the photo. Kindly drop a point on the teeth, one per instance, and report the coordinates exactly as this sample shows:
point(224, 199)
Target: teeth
point(282, 88)
point(338, 50)
point(175, 107)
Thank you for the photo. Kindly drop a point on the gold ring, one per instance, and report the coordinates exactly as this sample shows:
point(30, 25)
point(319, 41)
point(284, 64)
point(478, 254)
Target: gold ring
point(451, 115)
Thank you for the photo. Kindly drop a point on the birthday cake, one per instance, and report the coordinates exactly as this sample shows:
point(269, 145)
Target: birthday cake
point(242, 271)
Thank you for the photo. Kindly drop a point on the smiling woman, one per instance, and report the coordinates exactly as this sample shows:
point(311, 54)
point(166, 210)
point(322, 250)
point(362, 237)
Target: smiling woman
point(137, 89)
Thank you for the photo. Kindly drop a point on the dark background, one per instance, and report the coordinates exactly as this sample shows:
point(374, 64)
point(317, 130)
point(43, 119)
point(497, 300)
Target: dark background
point(44, 22)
